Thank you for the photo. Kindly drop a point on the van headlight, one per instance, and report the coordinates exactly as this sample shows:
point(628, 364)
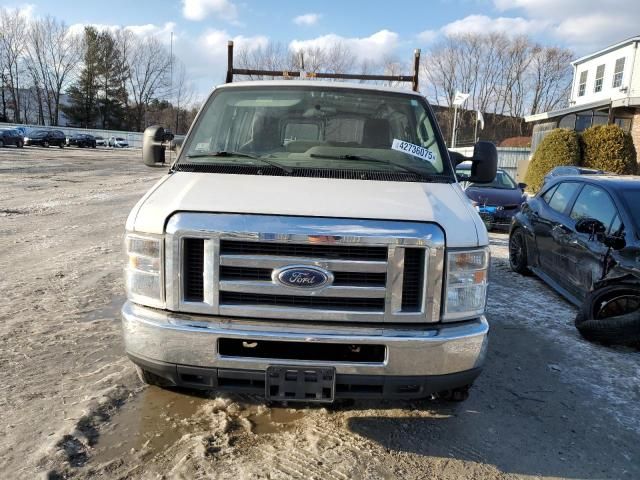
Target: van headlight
point(144, 270)
point(466, 285)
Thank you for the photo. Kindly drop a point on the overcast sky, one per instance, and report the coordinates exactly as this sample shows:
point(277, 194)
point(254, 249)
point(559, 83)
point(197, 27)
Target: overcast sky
point(373, 29)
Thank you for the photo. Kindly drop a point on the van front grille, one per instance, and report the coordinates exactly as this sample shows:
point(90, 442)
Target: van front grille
point(346, 252)
point(338, 303)
point(233, 272)
point(413, 279)
point(340, 278)
point(193, 269)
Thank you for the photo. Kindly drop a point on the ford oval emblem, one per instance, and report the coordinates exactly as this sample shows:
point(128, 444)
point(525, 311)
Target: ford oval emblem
point(303, 276)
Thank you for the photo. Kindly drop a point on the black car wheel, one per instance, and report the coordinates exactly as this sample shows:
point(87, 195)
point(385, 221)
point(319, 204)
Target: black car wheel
point(611, 315)
point(1, 143)
point(518, 252)
point(45, 144)
point(20, 144)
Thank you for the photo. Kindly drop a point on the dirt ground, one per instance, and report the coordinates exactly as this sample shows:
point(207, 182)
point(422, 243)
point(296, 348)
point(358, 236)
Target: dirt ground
point(548, 405)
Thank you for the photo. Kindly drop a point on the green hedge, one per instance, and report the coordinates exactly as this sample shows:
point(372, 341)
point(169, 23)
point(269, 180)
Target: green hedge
point(608, 148)
point(559, 147)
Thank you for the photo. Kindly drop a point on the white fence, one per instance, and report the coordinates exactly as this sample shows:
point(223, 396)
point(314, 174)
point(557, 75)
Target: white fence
point(508, 158)
point(133, 138)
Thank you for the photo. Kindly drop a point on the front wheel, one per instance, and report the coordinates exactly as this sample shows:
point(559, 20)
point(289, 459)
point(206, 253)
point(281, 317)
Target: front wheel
point(20, 144)
point(518, 252)
point(1, 143)
point(45, 144)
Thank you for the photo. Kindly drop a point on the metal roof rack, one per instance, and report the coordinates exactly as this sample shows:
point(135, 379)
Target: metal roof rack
point(231, 71)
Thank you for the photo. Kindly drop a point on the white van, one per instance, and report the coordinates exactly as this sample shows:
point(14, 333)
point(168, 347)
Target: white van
point(310, 242)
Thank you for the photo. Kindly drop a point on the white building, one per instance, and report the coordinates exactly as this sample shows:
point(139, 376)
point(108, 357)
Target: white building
point(605, 89)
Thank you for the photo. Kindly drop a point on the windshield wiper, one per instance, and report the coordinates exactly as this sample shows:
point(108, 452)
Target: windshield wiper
point(407, 169)
point(224, 153)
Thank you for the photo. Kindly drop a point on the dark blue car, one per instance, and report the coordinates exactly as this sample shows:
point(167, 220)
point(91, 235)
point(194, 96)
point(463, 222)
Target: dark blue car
point(498, 201)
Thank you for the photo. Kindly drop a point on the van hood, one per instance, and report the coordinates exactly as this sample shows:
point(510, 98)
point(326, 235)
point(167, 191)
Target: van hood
point(441, 203)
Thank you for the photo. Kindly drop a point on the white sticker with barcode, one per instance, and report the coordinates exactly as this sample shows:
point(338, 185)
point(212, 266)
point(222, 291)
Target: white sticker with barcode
point(415, 150)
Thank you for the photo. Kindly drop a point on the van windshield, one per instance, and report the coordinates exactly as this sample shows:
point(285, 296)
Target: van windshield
point(317, 127)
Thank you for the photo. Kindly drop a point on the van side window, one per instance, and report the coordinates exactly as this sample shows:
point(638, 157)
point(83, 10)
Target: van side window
point(563, 194)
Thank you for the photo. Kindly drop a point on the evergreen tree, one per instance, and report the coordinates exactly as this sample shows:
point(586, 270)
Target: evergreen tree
point(83, 108)
point(112, 84)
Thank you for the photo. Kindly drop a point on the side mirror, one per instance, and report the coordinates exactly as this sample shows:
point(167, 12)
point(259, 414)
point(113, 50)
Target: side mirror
point(484, 163)
point(457, 158)
point(590, 226)
point(176, 144)
point(522, 186)
point(154, 145)
point(615, 242)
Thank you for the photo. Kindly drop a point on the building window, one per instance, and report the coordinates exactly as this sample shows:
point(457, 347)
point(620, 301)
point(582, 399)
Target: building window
point(583, 121)
point(623, 123)
point(582, 86)
point(617, 73)
point(599, 77)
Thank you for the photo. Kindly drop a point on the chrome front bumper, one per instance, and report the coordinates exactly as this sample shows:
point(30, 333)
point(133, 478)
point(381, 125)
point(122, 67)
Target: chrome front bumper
point(191, 340)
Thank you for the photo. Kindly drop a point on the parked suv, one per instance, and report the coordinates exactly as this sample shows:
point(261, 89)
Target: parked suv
point(310, 242)
point(11, 137)
point(82, 140)
point(46, 138)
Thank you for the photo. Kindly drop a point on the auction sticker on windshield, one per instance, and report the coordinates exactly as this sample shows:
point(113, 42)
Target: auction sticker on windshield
point(415, 150)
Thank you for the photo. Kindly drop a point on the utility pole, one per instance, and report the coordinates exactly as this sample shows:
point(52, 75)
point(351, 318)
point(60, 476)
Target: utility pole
point(171, 77)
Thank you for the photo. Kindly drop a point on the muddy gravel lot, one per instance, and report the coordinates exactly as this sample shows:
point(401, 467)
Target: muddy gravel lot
point(548, 405)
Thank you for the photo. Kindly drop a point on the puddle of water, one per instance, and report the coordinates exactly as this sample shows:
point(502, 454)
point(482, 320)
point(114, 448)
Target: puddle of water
point(111, 311)
point(274, 420)
point(156, 419)
point(153, 420)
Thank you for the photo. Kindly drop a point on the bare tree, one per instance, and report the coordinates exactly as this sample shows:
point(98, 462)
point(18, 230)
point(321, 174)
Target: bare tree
point(13, 39)
point(148, 65)
point(53, 55)
point(182, 94)
point(504, 75)
point(272, 56)
point(334, 58)
point(550, 78)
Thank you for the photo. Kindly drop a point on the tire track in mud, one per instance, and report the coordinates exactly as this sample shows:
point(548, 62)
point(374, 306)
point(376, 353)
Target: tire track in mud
point(304, 464)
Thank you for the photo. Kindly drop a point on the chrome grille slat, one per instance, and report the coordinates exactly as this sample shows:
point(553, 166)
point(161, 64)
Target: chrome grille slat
point(367, 256)
point(293, 313)
point(268, 261)
point(270, 288)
